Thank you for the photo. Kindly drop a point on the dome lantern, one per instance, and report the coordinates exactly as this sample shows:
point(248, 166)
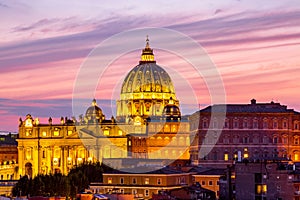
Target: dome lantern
point(147, 54)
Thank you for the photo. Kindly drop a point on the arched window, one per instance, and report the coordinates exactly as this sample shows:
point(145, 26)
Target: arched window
point(255, 123)
point(285, 139)
point(235, 139)
point(226, 123)
point(296, 125)
point(245, 123)
point(236, 123)
point(296, 140)
point(246, 139)
point(265, 123)
point(275, 123)
point(285, 124)
point(265, 139)
point(275, 139)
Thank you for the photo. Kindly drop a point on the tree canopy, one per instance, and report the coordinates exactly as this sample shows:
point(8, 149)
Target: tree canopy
point(58, 184)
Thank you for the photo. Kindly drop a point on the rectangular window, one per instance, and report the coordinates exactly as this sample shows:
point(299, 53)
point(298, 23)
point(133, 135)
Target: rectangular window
point(275, 125)
point(226, 156)
point(28, 132)
point(106, 132)
point(56, 132)
point(120, 132)
point(235, 124)
point(109, 180)
point(226, 124)
point(284, 125)
point(255, 125)
point(158, 181)
point(44, 133)
point(70, 132)
point(133, 180)
point(134, 192)
point(146, 181)
point(285, 140)
point(121, 180)
point(245, 124)
point(203, 183)
point(146, 193)
point(210, 183)
point(265, 125)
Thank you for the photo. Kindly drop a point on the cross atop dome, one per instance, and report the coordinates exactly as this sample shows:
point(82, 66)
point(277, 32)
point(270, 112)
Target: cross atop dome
point(147, 53)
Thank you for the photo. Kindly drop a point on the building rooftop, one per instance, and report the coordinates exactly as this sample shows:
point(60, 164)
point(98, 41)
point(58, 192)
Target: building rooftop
point(253, 107)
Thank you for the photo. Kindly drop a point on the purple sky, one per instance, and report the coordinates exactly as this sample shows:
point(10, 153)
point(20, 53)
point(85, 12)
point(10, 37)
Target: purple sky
point(254, 44)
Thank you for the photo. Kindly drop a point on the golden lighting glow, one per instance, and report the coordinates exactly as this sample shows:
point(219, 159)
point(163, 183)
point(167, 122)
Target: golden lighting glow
point(70, 132)
point(79, 160)
point(258, 189)
point(264, 189)
point(28, 154)
point(90, 159)
point(147, 57)
point(28, 123)
point(44, 133)
point(120, 132)
point(55, 133)
point(37, 121)
point(69, 161)
point(106, 132)
point(226, 156)
point(109, 180)
point(55, 161)
point(246, 155)
point(296, 157)
point(146, 181)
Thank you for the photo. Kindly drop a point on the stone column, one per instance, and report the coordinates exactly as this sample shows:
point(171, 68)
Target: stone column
point(62, 159)
point(20, 160)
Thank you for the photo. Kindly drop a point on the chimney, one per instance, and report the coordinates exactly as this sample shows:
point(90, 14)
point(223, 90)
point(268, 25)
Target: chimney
point(253, 101)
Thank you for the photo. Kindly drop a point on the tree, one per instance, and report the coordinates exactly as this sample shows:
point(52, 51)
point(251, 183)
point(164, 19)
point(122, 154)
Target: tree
point(57, 184)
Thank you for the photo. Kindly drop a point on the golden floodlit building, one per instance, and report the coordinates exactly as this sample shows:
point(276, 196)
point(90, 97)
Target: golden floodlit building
point(148, 125)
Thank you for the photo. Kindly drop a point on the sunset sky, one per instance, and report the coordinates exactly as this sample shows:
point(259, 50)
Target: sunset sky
point(255, 45)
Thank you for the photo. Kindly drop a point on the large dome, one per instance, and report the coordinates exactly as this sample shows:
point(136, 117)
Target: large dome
point(147, 77)
point(146, 90)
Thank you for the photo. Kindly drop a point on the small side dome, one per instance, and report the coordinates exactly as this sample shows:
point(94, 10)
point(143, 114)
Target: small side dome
point(171, 112)
point(94, 113)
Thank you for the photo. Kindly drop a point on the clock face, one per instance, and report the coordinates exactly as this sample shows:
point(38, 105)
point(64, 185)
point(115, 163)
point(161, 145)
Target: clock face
point(28, 123)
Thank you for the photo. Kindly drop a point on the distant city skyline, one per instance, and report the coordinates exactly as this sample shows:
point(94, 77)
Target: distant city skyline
point(255, 46)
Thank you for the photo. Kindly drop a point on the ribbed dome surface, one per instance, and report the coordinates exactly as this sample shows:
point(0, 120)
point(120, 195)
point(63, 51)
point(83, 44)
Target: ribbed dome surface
point(147, 77)
point(94, 112)
point(172, 110)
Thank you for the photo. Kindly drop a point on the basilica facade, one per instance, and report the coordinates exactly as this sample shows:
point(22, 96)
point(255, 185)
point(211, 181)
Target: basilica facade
point(148, 126)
